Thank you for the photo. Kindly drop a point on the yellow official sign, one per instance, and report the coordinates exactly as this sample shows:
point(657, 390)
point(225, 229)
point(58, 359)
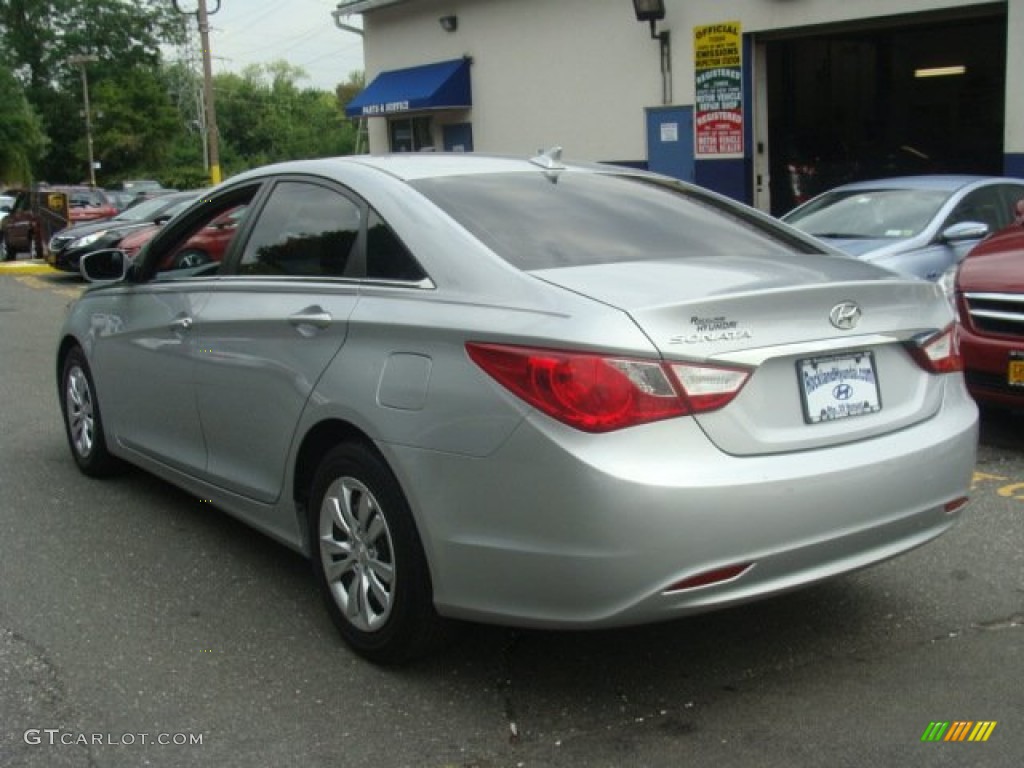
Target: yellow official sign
point(718, 112)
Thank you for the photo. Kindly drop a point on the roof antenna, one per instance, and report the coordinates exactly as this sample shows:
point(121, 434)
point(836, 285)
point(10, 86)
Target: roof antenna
point(549, 160)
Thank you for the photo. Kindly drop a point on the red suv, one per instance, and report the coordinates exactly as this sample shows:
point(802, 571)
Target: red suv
point(27, 228)
point(990, 302)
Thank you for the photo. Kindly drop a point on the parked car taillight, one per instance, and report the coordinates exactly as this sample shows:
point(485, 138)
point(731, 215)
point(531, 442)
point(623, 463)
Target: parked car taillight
point(939, 353)
point(597, 393)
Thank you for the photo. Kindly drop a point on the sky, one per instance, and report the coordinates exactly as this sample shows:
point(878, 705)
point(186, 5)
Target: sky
point(302, 32)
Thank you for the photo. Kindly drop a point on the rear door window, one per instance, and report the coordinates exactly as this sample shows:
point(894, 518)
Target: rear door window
point(304, 229)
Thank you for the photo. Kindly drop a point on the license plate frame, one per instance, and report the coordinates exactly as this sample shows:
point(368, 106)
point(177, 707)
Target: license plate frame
point(1015, 369)
point(838, 387)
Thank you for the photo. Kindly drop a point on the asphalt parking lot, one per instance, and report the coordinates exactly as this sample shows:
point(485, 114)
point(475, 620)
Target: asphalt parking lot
point(139, 626)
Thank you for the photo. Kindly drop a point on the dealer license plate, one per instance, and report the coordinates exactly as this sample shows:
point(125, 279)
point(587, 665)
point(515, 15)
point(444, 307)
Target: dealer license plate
point(1015, 372)
point(838, 387)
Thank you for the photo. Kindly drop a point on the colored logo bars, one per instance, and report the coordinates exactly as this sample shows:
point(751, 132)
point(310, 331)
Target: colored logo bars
point(959, 730)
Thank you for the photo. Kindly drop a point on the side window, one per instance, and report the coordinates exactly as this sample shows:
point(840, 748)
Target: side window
point(981, 205)
point(303, 230)
point(386, 257)
point(196, 247)
point(1013, 199)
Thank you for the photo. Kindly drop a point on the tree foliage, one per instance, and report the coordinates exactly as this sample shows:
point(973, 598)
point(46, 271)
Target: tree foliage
point(264, 117)
point(145, 121)
point(40, 35)
point(21, 135)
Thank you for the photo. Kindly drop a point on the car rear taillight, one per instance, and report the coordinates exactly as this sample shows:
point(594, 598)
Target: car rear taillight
point(939, 353)
point(598, 393)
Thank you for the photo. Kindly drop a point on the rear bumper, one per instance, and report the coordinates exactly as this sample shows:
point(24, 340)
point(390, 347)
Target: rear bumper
point(561, 529)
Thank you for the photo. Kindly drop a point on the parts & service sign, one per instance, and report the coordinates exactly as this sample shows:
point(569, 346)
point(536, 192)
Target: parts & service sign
point(718, 64)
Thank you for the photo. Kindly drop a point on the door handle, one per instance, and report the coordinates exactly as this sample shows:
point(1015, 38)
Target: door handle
point(310, 316)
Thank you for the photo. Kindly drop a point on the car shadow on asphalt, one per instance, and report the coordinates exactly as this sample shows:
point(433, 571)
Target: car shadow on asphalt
point(1002, 428)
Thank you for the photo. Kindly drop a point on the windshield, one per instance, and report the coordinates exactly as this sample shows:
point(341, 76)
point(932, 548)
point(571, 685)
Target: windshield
point(178, 207)
point(540, 221)
point(872, 213)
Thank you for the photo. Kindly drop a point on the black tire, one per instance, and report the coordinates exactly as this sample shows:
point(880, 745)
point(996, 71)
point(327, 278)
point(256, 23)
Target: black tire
point(368, 559)
point(191, 258)
point(83, 423)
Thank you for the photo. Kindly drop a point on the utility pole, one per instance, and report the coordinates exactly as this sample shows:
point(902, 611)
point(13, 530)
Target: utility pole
point(212, 136)
point(80, 61)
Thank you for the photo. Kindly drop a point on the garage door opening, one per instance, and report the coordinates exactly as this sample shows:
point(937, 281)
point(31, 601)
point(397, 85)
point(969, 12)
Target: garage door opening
point(864, 104)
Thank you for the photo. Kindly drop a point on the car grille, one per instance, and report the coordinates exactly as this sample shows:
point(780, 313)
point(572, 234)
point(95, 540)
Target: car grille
point(1001, 314)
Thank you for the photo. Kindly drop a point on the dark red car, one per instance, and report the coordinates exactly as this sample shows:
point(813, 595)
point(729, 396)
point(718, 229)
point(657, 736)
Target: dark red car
point(207, 245)
point(990, 302)
point(31, 222)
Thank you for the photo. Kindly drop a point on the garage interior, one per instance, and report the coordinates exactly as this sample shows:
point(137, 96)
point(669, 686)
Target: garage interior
point(913, 96)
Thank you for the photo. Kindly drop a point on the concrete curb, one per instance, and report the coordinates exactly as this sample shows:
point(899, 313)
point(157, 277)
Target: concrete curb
point(26, 267)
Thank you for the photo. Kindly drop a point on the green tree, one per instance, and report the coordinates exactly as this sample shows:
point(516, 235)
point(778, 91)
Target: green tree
point(21, 136)
point(37, 37)
point(350, 88)
point(135, 124)
point(263, 116)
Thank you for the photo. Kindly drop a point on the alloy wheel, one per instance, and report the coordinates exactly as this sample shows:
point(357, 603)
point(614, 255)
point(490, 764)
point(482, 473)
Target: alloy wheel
point(80, 412)
point(357, 553)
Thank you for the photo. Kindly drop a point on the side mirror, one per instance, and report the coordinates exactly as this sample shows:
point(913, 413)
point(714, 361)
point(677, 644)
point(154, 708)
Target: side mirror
point(5, 208)
point(105, 266)
point(965, 230)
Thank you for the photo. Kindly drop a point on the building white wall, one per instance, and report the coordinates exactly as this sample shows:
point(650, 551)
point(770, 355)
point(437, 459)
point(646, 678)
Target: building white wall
point(579, 73)
point(571, 63)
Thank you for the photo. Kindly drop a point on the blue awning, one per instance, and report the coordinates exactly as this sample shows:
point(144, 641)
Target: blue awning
point(442, 85)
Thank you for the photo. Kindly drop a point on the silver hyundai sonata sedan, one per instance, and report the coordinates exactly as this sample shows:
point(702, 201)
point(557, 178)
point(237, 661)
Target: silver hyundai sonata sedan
point(522, 391)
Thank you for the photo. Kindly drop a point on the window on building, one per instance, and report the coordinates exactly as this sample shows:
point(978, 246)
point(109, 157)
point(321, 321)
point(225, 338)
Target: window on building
point(411, 134)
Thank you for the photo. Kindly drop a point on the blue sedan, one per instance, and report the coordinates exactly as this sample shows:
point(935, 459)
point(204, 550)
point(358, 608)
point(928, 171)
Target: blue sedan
point(917, 225)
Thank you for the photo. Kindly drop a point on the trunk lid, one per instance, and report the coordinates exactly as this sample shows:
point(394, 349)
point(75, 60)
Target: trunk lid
point(773, 316)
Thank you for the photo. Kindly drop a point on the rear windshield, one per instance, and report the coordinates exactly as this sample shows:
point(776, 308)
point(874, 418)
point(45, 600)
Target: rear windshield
point(543, 221)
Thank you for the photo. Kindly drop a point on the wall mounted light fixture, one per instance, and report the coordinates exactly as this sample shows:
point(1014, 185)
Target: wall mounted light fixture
point(653, 11)
point(650, 10)
point(449, 23)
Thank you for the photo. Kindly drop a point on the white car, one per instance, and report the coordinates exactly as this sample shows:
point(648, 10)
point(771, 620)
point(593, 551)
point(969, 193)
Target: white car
point(6, 204)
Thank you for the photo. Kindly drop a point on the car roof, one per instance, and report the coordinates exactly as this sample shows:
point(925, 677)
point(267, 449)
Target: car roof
point(410, 166)
point(942, 182)
point(72, 188)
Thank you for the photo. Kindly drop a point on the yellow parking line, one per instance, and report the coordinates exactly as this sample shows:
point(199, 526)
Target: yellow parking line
point(34, 267)
point(37, 283)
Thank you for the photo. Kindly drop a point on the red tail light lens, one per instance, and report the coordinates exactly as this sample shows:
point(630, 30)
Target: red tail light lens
point(716, 576)
point(939, 353)
point(596, 393)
